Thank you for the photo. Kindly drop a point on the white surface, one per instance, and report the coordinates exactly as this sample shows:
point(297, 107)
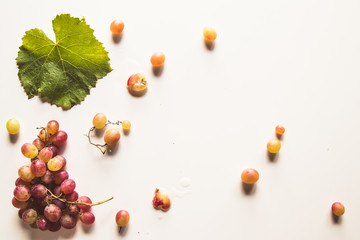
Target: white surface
point(206, 118)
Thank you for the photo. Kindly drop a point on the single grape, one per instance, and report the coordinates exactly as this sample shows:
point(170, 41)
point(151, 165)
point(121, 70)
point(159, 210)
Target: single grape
point(209, 34)
point(68, 186)
point(59, 138)
point(60, 176)
point(48, 177)
point(52, 212)
point(18, 204)
point(279, 130)
point(29, 216)
point(157, 59)
point(84, 199)
point(67, 221)
point(54, 226)
point(19, 181)
point(274, 145)
point(13, 126)
point(56, 163)
point(117, 26)
point(126, 125)
point(87, 218)
point(38, 168)
point(137, 84)
point(161, 201)
point(29, 150)
point(338, 209)
point(38, 191)
point(38, 143)
point(45, 154)
point(44, 135)
point(99, 120)
point(112, 136)
point(73, 210)
point(22, 193)
point(52, 127)
point(72, 197)
point(42, 223)
point(26, 174)
point(122, 218)
point(250, 176)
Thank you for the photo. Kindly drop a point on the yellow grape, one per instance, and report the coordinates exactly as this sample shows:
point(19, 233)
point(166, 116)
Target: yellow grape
point(112, 136)
point(157, 59)
point(209, 34)
point(126, 124)
point(99, 120)
point(274, 145)
point(13, 126)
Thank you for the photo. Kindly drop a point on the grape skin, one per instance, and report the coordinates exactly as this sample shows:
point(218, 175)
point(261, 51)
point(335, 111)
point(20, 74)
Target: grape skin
point(99, 120)
point(42, 223)
point(87, 218)
point(112, 136)
point(22, 193)
point(84, 199)
point(68, 186)
point(29, 216)
point(13, 126)
point(25, 174)
point(122, 218)
point(38, 168)
point(60, 176)
point(52, 213)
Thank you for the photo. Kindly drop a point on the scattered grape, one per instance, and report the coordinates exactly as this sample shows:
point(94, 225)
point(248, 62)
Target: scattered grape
point(161, 201)
point(209, 34)
point(157, 59)
point(99, 120)
point(250, 176)
point(126, 125)
point(112, 136)
point(29, 150)
point(122, 218)
point(274, 145)
point(13, 126)
point(338, 209)
point(87, 218)
point(117, 26)
point(136, 84)
point(279, 130)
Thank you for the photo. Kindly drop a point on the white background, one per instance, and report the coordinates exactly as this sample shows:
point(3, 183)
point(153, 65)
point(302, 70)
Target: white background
point(206, 118)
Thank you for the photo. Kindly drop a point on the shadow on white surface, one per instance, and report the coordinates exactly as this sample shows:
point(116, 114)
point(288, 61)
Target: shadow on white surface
point(209, 45)
point(273, 157)
point(44, 235)
point(117, 38)
point(123, 230)
point(157, 71)
point(87, 228)
point(335, 219)
point(13, 138)
point(248, 189)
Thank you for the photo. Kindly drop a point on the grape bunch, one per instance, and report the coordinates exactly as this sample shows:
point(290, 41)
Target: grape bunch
point(44, 193)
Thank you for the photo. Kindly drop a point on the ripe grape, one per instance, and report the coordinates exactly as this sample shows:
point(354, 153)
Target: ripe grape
point(29, 216)
point(72, 197)
point(56, 163)
point(48, 177)
point(59, 203)
point(25, 174)
point(52, 213)
point(45, 154)
point(274, 145)
point(126, 124)
point(209, 34)
point(22, 193)
point(38, 143)
point(38, 168)
point(56, 190)
point(59, 138)
point(53, 149)
point(112, 136)
point(67, 221)
point(117, 26)
point(60, 176)
point(18, 204)
point(73, 210)
point(99, 120)
point(29, 150)
point(44, 135)
point(38, 191)
point(87, 218)
point(279, 130)
point(19, 181)
point(68, 186)
point(338, 209)
point(84, 199)
point(52, 127)
point(122, 218)
point(42, 223)
point(157, 59)
point(13, 126)
point(250, 176)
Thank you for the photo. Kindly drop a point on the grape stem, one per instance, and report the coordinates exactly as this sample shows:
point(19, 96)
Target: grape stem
point(77, 203)
point(101, 146)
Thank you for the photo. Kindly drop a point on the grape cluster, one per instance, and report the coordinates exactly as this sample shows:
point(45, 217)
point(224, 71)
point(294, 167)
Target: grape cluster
point(44, 194)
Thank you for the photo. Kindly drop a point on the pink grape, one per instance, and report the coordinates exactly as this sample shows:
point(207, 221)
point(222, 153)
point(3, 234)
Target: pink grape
point(68, 186)
point(48, 177)
point(60, 176)
point(74, 210)
point(22, 193)
point(42, 223)
point(59, 138)
point(56, 163)
point(38, 143)
point(84, 199)
point(18, 204)
point(72, 197)
point(19, 181)
point(38, 191)
point(54, 149)
point(87, 218)
point(52, 213)
point(29, 150)
point(46, 154)
point(67, 221)
point(122, 218)
point(59, 203)
point(38, 168)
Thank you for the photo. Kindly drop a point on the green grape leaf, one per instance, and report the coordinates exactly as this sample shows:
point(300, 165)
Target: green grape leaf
point(62, 72)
